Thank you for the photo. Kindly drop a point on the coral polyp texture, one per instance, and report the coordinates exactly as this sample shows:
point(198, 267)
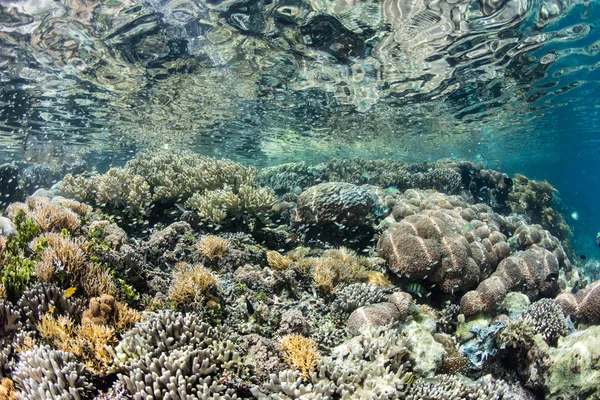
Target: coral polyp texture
point(443, 249)
point(533, 272)
point(585, 304)
point(179, 276)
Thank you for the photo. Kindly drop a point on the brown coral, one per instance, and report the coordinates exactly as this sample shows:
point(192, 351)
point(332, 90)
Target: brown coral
point(532, 271)
point(7, 390)
point(336, 266)
point(104, 310)
point(58, 254)
point(277, 261)
point(584, 305)
point(48, 216)
point(191, 284)
point(213, 247)
point(439, 245)
point(300, 353)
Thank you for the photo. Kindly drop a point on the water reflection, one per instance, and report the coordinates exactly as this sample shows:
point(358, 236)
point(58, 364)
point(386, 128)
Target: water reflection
point(261, 80)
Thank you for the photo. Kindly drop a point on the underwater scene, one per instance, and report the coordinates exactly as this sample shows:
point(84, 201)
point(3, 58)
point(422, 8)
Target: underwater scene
point(300, 199)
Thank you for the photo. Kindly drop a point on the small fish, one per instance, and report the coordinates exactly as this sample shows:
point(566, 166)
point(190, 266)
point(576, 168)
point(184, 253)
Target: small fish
point(552, 277)
point(69, 292)
point(575, 215)
point(51, 309)
point(366, 175)
point(180, 207)
point(296, 189)
point(598, 239)
point(390, 191)
point(249, 306)
point(415, 288)
point(583, 257)
point(467, 227)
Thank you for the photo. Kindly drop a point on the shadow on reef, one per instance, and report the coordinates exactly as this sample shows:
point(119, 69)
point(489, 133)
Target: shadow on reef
point(182, 276)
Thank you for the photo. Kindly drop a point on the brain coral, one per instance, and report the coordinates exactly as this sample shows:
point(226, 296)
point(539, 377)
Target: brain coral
point(441, 246)
point(585, 304)
point(532, 272)
point(343, 203)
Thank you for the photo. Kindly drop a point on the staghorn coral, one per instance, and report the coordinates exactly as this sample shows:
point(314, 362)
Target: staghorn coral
point(300, 353)
point(191, 284)
point(334, 202)
point(213, 247)
point(178, 175)
point(216, 205)
point(532, 271)
point(46, 374)
point(59, 255)
point(336, 266)
point(88, 342)
point(583, 305)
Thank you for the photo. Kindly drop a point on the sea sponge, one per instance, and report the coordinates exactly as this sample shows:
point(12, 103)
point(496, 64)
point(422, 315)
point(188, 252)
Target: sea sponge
point(533, 272)
point(334, 202)
point(191, 284)
point(584, 305)
point(300, 353)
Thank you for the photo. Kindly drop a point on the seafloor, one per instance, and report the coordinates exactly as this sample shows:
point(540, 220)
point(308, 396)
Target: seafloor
point(185, 277)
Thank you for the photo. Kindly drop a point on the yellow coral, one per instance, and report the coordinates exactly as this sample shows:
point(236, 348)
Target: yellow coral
point(300, 353)
point(61, 254)
point(191, 284)
point(278, 261)
point(377, 278)
point(87, 342)
point(7, 390)
point(213, 247)
point(336, 266)
point(104, 310)
point(2, 292)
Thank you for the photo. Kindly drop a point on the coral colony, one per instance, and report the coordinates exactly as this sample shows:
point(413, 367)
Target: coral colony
point(180, 276)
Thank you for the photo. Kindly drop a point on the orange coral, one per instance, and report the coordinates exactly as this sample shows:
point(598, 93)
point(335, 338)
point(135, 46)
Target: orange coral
point(300, 353)
point(2, 292)
point(104, 310)
point(7, 390)
point(213, 247)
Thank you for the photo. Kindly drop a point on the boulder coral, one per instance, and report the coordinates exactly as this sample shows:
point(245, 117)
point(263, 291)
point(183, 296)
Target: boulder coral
point(443, 248)
point(583, 305)
point(533, 272)
point(334, 202)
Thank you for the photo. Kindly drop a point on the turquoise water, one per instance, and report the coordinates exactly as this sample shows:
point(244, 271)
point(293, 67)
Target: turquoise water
point(510, 86)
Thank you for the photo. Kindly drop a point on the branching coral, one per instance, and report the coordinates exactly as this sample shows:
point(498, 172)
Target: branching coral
point(213, 247)
point(300, 353)
point(48, 216)
point(337, 266)
point(191, 284)
point(104, 310)
point(277, 261)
